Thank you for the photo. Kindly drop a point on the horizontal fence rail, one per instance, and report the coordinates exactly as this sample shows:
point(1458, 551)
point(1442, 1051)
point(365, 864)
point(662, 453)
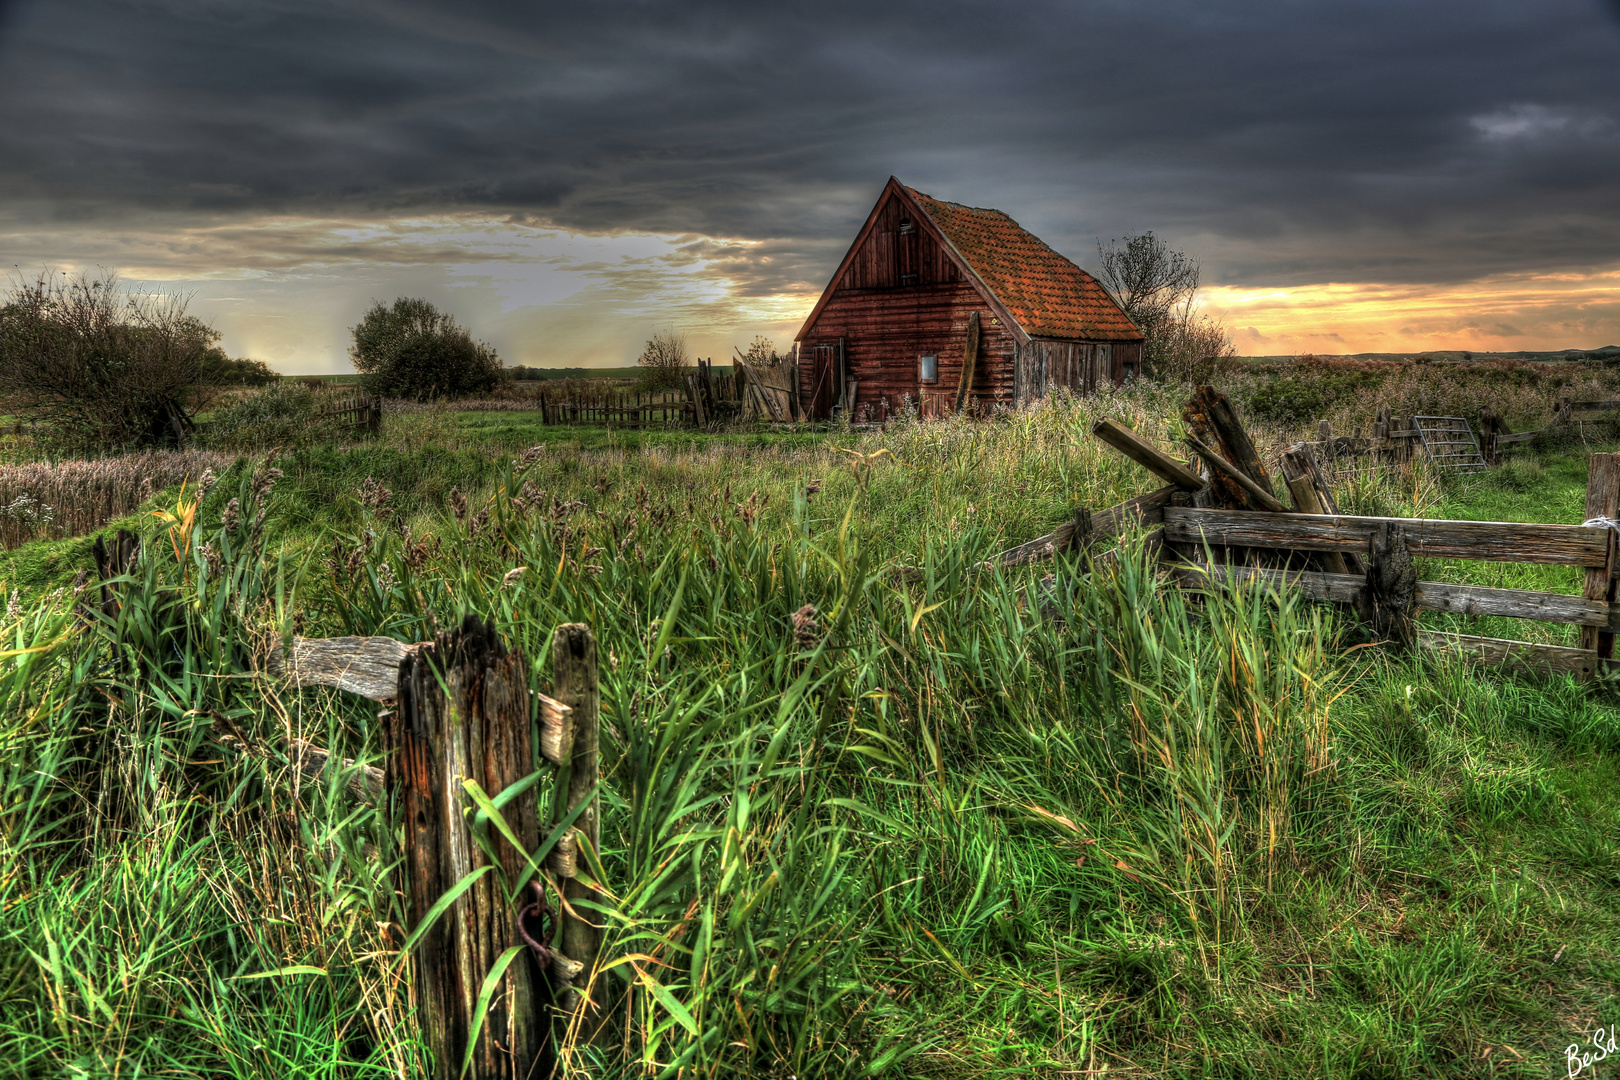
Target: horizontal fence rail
point(1490, 541)
point(1429, 595)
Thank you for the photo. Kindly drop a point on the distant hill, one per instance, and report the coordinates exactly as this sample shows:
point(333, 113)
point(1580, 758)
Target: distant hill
point(1608, 354)
point(525, 373)
point(519, 372)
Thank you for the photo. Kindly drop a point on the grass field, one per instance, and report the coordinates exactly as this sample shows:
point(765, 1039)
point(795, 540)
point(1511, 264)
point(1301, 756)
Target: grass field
point(931, 831)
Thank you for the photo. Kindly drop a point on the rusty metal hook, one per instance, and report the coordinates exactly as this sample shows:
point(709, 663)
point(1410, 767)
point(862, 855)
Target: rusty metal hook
point(546, 926)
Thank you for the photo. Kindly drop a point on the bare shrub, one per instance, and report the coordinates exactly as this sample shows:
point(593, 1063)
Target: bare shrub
point(71, 498)
point(1189, 349)
point(96, 365)
point(1157, 287)
point(762, 353)
point(663, 360)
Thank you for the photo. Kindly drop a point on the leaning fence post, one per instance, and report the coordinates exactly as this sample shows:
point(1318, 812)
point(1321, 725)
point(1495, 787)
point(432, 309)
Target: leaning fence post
point(575, 683)
point(1602, 501)
point(463, 713)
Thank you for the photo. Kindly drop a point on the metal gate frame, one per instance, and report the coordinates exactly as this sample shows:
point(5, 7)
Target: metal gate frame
point(1444, 426)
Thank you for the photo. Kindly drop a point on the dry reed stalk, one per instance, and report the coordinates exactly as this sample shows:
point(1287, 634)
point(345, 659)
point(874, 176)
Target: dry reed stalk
point(70, 498)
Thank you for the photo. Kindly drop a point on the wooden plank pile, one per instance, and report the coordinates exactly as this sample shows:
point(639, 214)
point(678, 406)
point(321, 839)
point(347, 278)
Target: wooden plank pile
point(1223, 522)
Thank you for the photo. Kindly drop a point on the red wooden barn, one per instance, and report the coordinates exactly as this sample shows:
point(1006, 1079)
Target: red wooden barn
point(955, 307)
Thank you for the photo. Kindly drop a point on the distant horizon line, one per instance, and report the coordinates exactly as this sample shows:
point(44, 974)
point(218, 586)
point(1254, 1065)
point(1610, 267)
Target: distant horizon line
point(1470, 354)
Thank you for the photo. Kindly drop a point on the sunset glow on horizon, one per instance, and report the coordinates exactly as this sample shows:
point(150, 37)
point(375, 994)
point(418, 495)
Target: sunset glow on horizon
point(1503, 313)
point(286, 289)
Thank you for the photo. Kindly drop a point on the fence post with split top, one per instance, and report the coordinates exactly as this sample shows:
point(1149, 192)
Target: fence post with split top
point(463, 714)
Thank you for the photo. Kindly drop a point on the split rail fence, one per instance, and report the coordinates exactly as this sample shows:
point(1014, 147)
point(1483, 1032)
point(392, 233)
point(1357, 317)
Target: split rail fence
point(612, 408)
point(1450, 442)
point(1222, 522)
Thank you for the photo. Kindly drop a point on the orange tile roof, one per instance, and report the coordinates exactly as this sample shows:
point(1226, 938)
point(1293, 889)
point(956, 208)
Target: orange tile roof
point(1046, 293)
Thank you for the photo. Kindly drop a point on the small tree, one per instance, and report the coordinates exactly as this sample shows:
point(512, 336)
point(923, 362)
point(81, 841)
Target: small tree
point(662, 360)
point(414, 350)
point(762, 353)
point(1157, 287)
point(95, 365)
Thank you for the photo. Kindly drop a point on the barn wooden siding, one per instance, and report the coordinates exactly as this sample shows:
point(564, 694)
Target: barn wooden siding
point(885, 331)
point(903, 297)
point(1083, 367)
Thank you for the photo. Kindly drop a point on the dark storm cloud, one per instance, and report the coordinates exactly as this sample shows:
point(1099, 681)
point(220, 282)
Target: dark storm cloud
point(1284, 141)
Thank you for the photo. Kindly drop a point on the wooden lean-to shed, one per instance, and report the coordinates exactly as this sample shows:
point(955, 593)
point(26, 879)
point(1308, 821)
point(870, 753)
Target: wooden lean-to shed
point(952, 307)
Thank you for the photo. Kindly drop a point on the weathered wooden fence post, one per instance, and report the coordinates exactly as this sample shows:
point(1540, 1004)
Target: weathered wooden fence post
point(1602, 501)
point(463, 713)
point(575, 682)
point(1390, 598)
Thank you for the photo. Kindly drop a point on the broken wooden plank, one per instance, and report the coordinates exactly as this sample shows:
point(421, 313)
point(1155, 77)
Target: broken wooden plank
point(970, 353)
point(556, 730)
point(1256, 496)
point(1516, 437)
point(1143, 510)
point(1147, 455)
point(1300, 461)
point(368, 666)
point(765, 398)
point(1498, 541)
point(1520, 655)
point(1306, 501)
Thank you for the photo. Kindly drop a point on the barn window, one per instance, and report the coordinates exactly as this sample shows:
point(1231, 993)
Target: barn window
point(906, 227)
point(908, 279)
point(928, 369)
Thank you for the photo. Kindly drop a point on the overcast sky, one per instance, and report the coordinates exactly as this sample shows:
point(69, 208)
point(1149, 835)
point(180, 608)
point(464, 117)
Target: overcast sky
point(568, 178)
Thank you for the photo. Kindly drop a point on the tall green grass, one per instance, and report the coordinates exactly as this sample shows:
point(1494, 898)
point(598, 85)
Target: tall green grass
point(870, 808)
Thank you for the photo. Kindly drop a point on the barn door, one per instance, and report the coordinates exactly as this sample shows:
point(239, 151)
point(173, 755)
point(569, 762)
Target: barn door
point(826, 377)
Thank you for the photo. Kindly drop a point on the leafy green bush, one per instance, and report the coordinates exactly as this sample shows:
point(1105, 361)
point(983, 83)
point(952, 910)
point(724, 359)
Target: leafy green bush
point(413, 350)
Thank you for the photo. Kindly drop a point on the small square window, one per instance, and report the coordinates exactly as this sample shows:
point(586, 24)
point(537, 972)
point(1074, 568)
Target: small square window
point(928, 369)
point(906, 227)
